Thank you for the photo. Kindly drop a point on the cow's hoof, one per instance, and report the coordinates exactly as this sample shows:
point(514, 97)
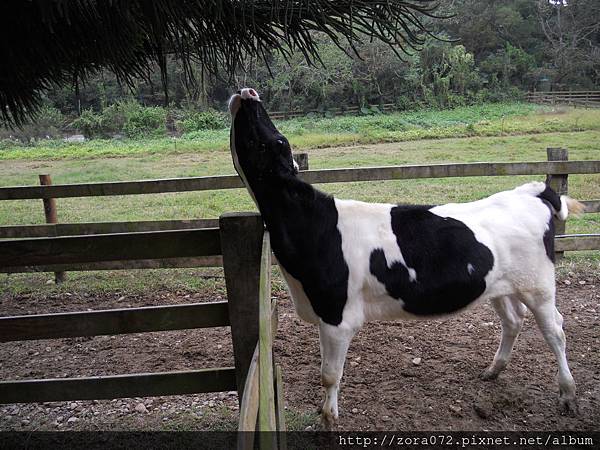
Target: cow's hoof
point(489, 374)
point(328, 420)
point(568, 406)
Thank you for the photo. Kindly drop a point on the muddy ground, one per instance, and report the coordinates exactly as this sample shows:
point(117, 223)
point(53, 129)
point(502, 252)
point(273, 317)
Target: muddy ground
point(383, 387)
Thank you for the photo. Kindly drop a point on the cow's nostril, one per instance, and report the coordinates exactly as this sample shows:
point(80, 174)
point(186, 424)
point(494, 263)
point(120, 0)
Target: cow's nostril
point(253, 93)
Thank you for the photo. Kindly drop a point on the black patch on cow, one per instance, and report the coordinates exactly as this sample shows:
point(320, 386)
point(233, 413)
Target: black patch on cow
point(440, 250)
point(549, 239)
point(549, 233)
point(302, 224)
point(302, 221)
point(550, 198)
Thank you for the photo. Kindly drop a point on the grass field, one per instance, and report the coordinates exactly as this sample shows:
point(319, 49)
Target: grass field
point(516, 133)
point(306, 133)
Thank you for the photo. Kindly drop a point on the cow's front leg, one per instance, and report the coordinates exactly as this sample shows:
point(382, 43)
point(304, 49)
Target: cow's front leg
point(335, 341)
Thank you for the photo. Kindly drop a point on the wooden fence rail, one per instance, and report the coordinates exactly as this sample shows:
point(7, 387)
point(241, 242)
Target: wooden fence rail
point(311, 176)
point(564, 94)
point(78, 229)
point(137, 264)
point(114, 321)
point(577, 98)
point(577, 242)
point(384, 107)
point(563, 243)
point(110, 247)
point(83, 228)
point(118, 386)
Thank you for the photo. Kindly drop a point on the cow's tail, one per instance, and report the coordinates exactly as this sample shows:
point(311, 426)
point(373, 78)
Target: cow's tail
point(562, 206)
point(569, 206)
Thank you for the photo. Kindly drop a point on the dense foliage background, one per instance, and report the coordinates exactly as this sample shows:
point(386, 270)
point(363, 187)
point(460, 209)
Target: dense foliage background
point(487, 51)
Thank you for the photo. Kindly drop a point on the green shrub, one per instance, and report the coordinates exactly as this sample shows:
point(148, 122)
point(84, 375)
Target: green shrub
point(145, 121)
point(205, 120)
point(404, 103)
point(114, 117)
point(128, 117)
point(89, 123)
point(9, 142)
point(509, 94)
point(50, 119)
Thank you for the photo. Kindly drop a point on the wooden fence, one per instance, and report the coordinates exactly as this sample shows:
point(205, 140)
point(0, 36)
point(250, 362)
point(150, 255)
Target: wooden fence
point(244, 246)
point(576, 98)
point(348, 110)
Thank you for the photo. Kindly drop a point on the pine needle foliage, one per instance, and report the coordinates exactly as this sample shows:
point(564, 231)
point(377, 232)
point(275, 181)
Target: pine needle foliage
point(46, 42)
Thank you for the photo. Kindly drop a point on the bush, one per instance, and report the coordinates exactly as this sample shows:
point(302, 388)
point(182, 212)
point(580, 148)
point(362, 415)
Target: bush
point(114, 116)
point(404, 102)
point(49, 119)
point(89, 123)
point(128, 117)
point(198, 121)
point(509, 94)
point(145, 121)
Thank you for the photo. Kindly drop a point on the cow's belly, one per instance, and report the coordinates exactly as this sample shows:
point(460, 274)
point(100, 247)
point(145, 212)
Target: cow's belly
point(385, 307)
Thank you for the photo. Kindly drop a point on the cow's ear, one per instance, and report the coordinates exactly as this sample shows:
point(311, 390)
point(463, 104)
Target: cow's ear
point(234, 104)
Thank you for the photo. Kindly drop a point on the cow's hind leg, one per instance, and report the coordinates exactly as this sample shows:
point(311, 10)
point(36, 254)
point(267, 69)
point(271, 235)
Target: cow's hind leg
point(512, 313)
point(335, 341)
point(550, 322)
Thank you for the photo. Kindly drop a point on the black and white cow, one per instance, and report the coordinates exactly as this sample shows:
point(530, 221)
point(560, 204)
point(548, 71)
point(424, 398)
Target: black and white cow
point(347, 262)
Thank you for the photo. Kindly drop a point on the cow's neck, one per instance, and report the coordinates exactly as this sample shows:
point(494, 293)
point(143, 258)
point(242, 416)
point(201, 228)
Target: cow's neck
point(278, 197)
point(290, 208)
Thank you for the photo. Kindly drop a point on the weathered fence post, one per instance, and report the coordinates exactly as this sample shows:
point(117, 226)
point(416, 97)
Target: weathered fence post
point(50, 213)
point(280, 408)
point(302, 160)
point(241, 244)
point(560, 183)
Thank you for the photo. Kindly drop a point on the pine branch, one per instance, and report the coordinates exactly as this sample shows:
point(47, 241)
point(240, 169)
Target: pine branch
point(45, 42)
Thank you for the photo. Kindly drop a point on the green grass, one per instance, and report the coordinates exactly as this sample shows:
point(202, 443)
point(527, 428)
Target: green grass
point(132, 282)
point(307, 133)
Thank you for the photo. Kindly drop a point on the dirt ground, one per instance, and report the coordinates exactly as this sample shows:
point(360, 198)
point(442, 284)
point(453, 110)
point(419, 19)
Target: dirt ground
point(385, 385)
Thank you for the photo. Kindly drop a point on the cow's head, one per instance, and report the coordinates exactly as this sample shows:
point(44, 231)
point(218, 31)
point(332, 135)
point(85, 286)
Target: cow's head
point(260, 152)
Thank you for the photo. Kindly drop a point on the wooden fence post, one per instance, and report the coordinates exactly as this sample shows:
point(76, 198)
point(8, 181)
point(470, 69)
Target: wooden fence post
point(302, 160)
point(241, 244)
point(50, 213)
point(560, 183)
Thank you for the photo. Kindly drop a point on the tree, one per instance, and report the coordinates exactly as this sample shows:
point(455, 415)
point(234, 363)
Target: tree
point(572, 31)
